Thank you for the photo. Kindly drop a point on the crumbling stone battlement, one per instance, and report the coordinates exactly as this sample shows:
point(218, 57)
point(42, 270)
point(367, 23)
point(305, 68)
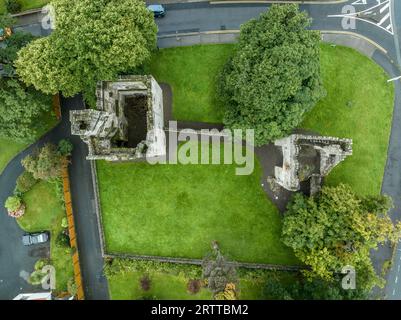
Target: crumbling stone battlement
point(127, 123)
point(309, 158)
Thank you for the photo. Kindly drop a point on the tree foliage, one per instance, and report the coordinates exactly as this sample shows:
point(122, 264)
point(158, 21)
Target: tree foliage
point(44, 164)
point(92, 41)
point(20, 107)
point(316, 289)
point(9, 50)
point(273, 78)
point(337, 228)
point(20, 110)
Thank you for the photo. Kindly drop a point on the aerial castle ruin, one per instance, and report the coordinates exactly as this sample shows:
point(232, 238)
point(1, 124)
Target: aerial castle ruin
point(127, 123)
point(308, 159)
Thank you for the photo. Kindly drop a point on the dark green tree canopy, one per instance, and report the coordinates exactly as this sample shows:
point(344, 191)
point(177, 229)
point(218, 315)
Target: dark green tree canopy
point(273, 78)
point(20, 107)
point(337, 228)
point(20, 110)
point(92, 41)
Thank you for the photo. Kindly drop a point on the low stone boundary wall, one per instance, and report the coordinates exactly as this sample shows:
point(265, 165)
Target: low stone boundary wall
point(247, 265)
point(193, 38)
point(72, 233)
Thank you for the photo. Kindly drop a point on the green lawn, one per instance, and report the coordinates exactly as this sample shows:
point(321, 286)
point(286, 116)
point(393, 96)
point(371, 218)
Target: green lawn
point(191, 72)
point(26, 4)
point(126, 286)
point(8, 149)
point(45, 212)
point(177, 210)
point(358, 105)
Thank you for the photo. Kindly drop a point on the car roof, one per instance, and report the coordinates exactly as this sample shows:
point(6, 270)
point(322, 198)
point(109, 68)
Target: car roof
point(156, 7)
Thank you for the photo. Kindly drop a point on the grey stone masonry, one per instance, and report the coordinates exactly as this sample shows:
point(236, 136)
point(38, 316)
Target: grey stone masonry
point(309, 158)
point(127, 123)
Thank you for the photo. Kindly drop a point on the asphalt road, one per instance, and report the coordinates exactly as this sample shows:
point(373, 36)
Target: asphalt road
point(192, 17)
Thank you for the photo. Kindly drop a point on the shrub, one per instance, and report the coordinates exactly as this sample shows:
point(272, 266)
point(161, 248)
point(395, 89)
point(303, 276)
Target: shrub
point(64, 223)
point(36, 277)
point(63, 240)
point(13, 203)
point(145, 283)
point(65, 147)
point(40, 264)
point(120, 265)
point(13, 6)
point(44, 164)
point(72, 287)
point(25, 182)
point(193, 286)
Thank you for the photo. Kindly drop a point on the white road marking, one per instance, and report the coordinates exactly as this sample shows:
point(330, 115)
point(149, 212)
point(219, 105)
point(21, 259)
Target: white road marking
point(396, 279)
point(382, 7)
point(384, 18)
point(390, 80)
point(385, 7)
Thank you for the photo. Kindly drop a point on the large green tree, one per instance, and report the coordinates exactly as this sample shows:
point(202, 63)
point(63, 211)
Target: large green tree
point(20, 107)
point(273, 78)
point(92, 41)
point(20, 110)
point(338, 228)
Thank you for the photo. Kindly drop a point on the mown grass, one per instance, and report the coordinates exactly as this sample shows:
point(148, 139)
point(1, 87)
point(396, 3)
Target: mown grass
point(192, 73)
point(45, 211)
point(359, 105)
point(126, 286)
point(178, 210)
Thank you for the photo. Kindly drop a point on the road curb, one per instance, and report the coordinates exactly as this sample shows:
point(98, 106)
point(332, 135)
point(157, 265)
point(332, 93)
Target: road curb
point(356, 35)
point(278, 2)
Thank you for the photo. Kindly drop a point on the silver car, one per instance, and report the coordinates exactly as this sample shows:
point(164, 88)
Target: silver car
point(35, 238)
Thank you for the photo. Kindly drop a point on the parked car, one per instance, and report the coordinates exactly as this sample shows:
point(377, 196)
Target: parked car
point(35, 238)
point(4, 33)
point(158, 10)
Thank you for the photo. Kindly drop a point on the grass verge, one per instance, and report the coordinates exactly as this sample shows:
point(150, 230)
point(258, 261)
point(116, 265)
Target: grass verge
point(45, 211)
